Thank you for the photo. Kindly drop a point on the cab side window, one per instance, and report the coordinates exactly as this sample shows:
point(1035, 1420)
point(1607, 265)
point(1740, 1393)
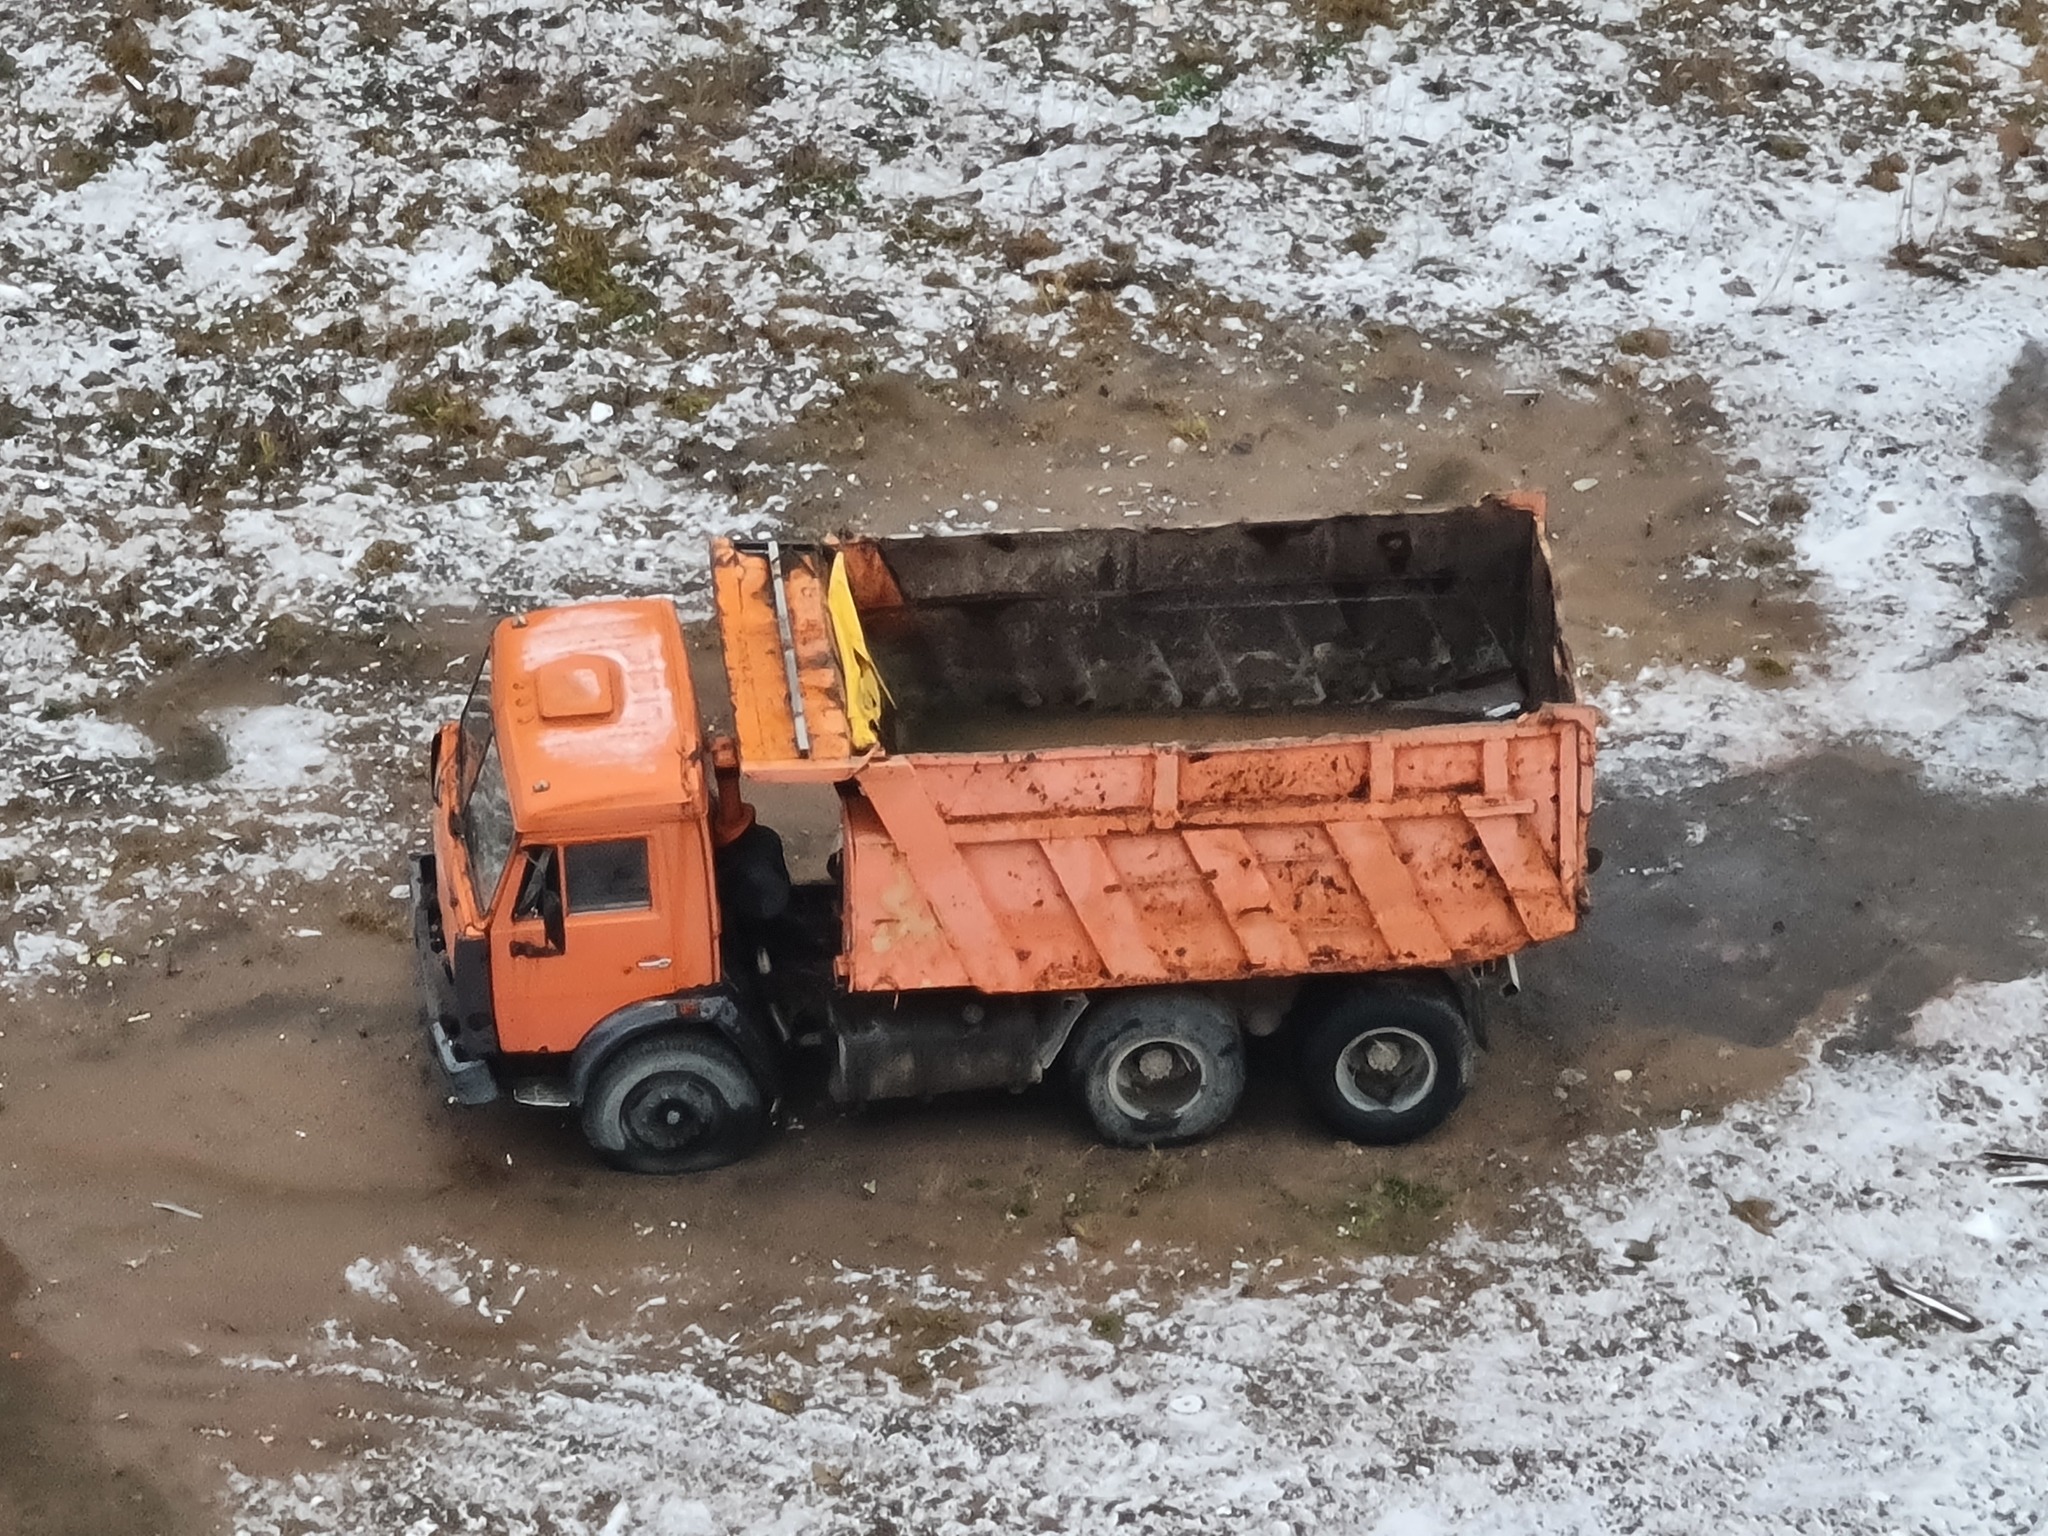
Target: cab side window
point(607, 877)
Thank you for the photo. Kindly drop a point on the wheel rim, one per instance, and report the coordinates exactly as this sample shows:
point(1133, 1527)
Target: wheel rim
point(1156, 1079)
point(1386, 1071)
point(671, 1112)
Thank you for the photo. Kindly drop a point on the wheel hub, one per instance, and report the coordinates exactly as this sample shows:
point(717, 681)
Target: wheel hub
point(670, 1113)
point(1386, 1071)
point(1156, 1080)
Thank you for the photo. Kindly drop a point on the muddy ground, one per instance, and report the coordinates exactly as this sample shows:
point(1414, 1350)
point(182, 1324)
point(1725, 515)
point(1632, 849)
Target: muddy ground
point(259, 1070)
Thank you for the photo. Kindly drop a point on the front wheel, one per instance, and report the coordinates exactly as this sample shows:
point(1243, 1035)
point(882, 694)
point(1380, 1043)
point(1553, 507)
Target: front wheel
point(1158, 1068)
point(1385, 1064)
point(674, 1104)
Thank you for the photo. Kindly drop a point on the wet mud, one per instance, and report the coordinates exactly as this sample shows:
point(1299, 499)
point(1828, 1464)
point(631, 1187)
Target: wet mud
point(55, 1479)
point(1837, 887)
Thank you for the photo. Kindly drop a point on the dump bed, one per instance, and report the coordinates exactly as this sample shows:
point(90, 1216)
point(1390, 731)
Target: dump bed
point(1086, 758)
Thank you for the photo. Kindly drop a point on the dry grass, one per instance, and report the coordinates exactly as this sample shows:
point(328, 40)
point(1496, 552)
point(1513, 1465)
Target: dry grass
point(1885, 170)
point(717, 94)
point(379, 27)
point(1021, 250)
point(580, 264)
point(72, 164)
point(1713, 76)
point(1365, 239)
point(265, 158)
point(1349, 19)
point(671, 125)
point(1040, 26)
point(233, 72)
point(1394, 1215)
point(383, 557)
point(128, 53)
point(2024, 252)
point(687, 404)
point(163, 119)
point(441, 409)
point(242, 334)
point(921, 1338)
point(269, 448)
point(924, 226)
point(813, 177)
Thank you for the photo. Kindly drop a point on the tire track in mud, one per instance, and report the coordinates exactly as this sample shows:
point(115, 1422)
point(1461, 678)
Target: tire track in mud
point(54, 1478)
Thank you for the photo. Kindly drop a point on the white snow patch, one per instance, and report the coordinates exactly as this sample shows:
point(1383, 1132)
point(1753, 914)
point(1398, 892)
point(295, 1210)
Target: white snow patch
point(371, 1278)
point(276, 747)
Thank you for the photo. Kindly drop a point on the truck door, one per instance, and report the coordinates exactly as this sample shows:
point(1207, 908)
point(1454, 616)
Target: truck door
point(586, 928)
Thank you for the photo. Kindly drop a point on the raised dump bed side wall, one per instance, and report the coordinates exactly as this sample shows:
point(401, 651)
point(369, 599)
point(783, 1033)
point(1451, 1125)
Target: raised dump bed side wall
point(1073, 869)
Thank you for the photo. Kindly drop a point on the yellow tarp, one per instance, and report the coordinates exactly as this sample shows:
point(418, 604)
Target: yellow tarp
point(865, 690)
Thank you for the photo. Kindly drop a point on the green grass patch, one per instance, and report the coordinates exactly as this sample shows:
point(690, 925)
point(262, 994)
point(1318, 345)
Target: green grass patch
point(1394, 1215)
point(1185, 86)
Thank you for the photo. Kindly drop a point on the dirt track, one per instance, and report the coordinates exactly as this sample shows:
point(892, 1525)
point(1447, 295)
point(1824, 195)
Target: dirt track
point(262, 1071)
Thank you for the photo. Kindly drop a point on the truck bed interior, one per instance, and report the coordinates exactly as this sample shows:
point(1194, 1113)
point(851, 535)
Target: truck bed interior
point(1307, 627)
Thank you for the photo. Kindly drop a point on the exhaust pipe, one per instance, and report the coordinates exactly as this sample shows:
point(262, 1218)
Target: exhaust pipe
point(1513, 985)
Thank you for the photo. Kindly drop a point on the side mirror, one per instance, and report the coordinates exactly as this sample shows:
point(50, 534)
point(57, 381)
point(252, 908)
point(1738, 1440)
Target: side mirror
point(540, 896)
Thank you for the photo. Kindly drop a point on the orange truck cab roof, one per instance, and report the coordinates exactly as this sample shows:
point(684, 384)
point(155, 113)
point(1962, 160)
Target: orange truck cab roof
point(596, 717)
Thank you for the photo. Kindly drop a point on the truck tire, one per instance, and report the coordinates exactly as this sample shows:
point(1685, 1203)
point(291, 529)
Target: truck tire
point(1385, 1064)
point(673, 1103)
point(1158, 1068)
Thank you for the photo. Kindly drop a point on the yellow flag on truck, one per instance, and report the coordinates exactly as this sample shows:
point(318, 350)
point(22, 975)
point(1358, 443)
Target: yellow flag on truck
point(865, 691)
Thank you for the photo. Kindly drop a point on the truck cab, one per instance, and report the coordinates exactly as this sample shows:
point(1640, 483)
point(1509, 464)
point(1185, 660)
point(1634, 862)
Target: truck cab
point(569, 904)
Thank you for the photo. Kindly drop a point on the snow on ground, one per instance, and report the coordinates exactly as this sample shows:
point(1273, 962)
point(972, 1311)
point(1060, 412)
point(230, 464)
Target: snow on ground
point(318, 316)
point(1688, 1336)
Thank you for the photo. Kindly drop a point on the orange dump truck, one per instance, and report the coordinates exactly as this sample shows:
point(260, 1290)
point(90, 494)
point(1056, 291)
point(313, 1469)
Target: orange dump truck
point(1109, 801)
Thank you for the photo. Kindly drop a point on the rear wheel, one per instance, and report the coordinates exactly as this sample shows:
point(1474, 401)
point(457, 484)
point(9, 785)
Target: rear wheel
point(1158, 1068)
point(674, 1104)
point(1385, 1064)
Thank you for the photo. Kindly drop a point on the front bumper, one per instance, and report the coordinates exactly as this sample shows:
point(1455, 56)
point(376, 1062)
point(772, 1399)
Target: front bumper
point(468, 1080)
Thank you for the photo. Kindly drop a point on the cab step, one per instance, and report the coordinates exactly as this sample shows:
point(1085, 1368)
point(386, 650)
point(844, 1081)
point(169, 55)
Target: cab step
point(543, 1094)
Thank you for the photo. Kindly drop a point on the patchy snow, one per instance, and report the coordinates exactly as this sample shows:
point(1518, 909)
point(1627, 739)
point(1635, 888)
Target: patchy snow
point(1742, 1372)
point(309, 343)
point(297, 325)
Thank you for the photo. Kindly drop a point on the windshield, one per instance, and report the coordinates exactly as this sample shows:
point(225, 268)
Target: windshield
point(476, 725)
point(486, 819)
